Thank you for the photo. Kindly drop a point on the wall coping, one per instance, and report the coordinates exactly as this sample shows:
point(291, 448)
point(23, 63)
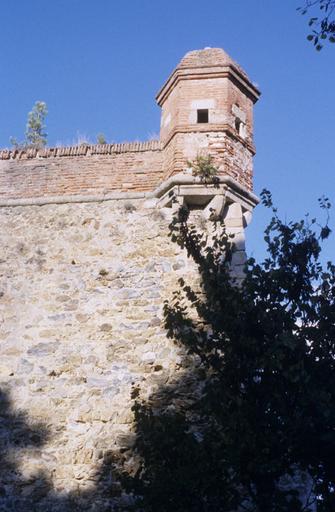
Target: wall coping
point(81, 150)
point(40, 201)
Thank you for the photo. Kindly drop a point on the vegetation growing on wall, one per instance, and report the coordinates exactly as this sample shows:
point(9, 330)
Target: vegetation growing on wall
point(101, 139)
point(35, 136)
point(203, 167)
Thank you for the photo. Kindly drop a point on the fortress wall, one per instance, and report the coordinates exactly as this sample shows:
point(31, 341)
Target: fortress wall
point(22, 176)
point(82, 285)
point(25, 176)
point(81, 295)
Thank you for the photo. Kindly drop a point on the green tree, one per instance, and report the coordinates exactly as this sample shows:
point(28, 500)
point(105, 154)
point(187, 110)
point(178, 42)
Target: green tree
point(252, 419)
point(35, 136)
point(35, 129)
point(322, 23)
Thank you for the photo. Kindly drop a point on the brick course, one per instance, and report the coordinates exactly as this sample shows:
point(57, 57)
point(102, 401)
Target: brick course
point(70, 171)
point(203, 77)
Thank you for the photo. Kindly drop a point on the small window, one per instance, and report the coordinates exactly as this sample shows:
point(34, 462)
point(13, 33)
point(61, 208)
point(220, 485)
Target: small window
point(202, 116)
point(240, 128)
point(238, 125)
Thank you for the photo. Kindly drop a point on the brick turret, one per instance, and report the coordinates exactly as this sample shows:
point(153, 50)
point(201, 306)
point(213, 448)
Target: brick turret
point(207, 106)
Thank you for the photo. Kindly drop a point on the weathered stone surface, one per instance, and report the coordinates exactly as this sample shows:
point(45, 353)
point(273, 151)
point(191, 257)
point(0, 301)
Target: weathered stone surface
point(75, 339)
point(42, 349)
point(83, 279)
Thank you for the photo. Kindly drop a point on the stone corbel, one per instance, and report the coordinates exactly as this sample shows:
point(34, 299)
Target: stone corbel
point(214, 208)
point(235, 219)
point(200, 193)
point(177, 202)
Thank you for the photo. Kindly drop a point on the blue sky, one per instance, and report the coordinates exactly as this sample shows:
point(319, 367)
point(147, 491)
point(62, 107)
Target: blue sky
point(98, 65)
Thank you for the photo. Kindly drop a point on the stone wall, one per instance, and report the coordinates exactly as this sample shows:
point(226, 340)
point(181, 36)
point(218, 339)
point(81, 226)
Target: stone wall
point(82, 289)
point(83, 279)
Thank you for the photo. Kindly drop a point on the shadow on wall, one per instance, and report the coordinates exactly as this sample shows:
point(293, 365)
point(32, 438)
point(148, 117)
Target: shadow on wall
point(19, 436)
point(22, 490)
point(239, 427)
point(173, 467)
point(178, 460)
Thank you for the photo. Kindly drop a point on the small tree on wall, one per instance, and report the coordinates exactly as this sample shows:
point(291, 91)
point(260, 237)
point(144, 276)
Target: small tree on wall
point(35, 129)
point(35, 135)
point(203, 167)
point(101, 139)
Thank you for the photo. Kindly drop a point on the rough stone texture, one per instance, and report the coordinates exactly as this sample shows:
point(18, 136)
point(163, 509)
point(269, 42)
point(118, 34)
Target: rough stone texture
point(82, 289)
point(82, 285)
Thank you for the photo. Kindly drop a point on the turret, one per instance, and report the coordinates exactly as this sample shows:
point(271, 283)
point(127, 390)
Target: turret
point(207, 107)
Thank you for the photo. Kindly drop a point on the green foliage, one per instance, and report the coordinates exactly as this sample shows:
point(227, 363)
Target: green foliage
point(255, 410)
point(203, 167)
point(15, 143)
point(35, 136)
point(101, 139)
point(323, 27)
point(35, 129)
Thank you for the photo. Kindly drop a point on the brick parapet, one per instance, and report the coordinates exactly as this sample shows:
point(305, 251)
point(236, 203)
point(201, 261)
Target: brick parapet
point(205, 79)
point(95, 170)
point(81, 150)
point(103, 169)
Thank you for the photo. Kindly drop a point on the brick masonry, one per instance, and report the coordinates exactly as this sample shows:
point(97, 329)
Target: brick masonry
point(82, 286)
point(204, 79)
point(95, 170)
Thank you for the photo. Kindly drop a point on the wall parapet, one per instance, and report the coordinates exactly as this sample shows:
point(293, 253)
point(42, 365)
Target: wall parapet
point(80, 150)
point(207, 108)
point(249, 199)
point(94, 170)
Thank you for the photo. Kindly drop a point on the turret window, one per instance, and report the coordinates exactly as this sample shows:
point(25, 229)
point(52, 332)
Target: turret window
point(202, 115)
point(240, 128)
point(238, 125)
